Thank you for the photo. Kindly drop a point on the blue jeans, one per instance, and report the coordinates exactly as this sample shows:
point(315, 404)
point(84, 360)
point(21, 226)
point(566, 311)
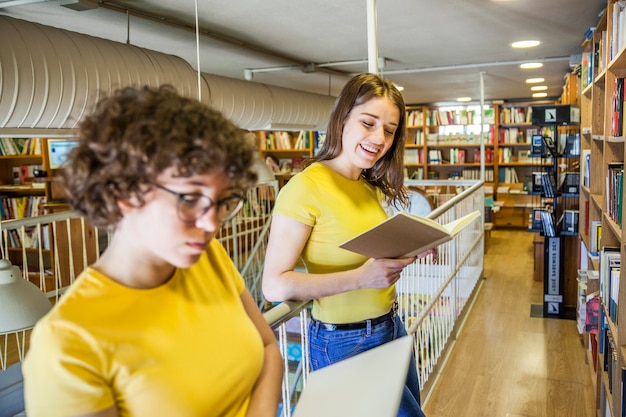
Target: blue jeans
point(330, 346)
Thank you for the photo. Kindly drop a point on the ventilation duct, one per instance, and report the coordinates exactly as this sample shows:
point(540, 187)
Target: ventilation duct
point(257, 106)
point(49, 78)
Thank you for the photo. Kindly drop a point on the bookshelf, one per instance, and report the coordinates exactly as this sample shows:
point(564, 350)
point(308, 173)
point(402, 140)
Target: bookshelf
point(602, 240)
point(285, 151)
point(28, 188)
point(444, 142)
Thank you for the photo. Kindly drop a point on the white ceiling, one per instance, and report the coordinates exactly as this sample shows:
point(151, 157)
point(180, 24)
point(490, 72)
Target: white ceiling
point(435, 49)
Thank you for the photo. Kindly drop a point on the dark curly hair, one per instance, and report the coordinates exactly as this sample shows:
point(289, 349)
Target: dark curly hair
point(136, 134)
point(388, 172)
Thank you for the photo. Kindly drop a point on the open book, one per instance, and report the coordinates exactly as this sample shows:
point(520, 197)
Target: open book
point(404, 234)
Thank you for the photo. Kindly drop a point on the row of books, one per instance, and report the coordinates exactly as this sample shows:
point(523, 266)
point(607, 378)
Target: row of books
point(442, 117)
point(280, 140)
point(413, 156)
point(459, 138)
point(507, 175)
point(20, 146)
point(516, 135)
point(615, 191)
point(21, 207)
point(609, 279)
point(417, 138)
point(585, 167)
point(515, 115)
point(29, 238)
point(594, 61)
point(474, 174)
point(457, 156)
point(617, 108)
point(414, 118)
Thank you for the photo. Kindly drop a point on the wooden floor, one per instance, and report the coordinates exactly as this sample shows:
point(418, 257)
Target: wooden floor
point(506, 363)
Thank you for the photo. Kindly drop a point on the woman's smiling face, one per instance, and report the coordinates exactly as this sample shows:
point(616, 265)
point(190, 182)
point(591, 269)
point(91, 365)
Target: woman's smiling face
point(368, 133)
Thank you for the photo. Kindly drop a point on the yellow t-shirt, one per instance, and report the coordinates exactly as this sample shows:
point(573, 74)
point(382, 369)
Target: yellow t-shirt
point(338, 209)
point(184, 349)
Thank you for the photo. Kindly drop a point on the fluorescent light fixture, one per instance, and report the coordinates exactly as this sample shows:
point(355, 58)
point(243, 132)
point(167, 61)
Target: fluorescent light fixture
point(464, 99)
point(525, 44)
point(540, 95)
point(538, 88)
point(535, 80)
point(531, 65)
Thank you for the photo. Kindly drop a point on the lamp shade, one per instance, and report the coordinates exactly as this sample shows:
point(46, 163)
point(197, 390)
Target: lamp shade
point(263, 171)
point(21, 301)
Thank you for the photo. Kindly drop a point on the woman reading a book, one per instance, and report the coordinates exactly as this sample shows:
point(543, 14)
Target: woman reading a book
point(162, 323)
point(340, 194)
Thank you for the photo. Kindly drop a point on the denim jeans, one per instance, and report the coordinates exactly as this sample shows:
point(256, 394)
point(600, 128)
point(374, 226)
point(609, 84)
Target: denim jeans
point(330, 346)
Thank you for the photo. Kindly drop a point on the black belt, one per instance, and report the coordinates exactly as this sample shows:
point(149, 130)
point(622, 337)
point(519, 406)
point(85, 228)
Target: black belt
point(356, 325)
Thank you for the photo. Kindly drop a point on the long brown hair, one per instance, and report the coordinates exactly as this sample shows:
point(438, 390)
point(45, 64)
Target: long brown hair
point(388, 172)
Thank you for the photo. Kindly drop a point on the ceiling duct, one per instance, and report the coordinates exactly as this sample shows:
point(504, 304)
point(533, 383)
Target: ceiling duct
point(49, 78)
point(256, 106)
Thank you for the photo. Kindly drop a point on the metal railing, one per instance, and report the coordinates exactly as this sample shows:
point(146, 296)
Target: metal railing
point(433, 292)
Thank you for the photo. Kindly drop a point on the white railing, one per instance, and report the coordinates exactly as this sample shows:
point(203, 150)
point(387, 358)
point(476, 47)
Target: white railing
point(433, 292)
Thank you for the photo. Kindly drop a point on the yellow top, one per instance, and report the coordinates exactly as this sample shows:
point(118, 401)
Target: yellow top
point(338, 209)
point(184, 349)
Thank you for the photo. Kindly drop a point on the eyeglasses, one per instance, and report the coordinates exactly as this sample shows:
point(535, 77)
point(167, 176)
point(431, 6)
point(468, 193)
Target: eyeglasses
point(192, 206)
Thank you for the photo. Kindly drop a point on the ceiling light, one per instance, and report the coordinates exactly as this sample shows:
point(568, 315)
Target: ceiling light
point(399, 87)
point(535, 80)
point(531, 65)
point(525, 44)
point(464, 99)
point(540, 95)
point(538, 88)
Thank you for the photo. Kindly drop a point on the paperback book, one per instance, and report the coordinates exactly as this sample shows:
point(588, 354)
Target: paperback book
point(404, 235)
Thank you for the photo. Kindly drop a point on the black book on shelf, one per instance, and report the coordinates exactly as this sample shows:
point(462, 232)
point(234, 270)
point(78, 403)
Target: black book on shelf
point(536, 223)
point(570, 182)
point(572, 145)
point(548, 187)
point(548, 224)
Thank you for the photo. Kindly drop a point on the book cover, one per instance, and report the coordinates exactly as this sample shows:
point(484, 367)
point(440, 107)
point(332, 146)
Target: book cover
point(405, 234)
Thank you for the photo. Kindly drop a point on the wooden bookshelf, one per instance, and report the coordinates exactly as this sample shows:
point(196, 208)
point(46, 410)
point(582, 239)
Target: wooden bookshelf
point(602, 158)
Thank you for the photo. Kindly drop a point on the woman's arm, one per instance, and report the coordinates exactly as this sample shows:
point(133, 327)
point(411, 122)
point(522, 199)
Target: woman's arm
point(267, 390)
point(280, 282)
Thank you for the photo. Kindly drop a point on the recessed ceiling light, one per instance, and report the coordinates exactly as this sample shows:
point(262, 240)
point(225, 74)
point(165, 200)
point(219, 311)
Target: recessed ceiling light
point(535, 80)
point(464, 99)
point(538, 88)
point(540, 95)
point(525, 44)
point(531, 65)
point(399, 87)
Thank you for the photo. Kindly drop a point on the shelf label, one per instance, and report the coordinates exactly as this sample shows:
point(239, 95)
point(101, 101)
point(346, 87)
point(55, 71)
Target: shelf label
point(553, 308)
point(553, 298)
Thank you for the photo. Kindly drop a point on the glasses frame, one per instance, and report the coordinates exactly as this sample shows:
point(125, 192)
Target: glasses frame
point(182, 200)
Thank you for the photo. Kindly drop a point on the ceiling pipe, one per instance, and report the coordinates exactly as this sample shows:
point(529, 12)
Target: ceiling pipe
point(372, 38)
point(218, 37)
point(198, 69)
point(470, 66)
